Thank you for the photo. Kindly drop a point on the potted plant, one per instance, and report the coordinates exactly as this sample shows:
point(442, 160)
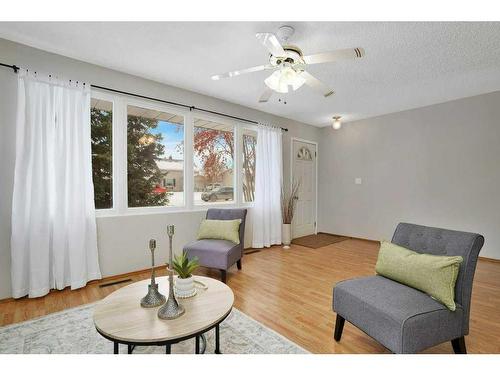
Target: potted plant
point(184, 283)
point(288, 203)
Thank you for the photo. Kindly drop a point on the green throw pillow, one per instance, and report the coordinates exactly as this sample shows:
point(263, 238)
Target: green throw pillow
point(433, 274)
point(220, 230)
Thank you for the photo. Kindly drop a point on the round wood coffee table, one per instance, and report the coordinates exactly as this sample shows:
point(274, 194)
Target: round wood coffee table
point(120, 318)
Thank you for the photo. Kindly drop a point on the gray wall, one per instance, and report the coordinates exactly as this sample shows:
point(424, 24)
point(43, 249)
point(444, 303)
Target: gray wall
point(122, 240)
point(436, 166)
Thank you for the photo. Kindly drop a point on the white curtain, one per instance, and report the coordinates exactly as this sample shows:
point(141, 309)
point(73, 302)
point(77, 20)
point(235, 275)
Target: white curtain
point(268, 181)
point(53, 242)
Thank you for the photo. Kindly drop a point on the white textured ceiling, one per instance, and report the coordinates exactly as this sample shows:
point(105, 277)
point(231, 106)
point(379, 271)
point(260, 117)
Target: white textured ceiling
point(407, 65)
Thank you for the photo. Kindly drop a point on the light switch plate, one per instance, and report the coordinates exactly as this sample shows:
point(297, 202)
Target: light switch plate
point(358, 181)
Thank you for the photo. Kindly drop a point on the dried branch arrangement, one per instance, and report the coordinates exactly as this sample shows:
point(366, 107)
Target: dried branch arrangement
point(288, 201)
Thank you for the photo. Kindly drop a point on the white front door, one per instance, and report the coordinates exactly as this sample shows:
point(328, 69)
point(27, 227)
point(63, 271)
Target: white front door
point(304, 171)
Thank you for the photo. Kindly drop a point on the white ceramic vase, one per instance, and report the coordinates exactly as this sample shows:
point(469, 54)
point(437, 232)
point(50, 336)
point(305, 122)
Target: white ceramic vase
point(286, 234)
point(184, 288)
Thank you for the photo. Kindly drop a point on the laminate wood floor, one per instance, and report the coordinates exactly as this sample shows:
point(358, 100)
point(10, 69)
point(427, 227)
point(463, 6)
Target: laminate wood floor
point(290, 291)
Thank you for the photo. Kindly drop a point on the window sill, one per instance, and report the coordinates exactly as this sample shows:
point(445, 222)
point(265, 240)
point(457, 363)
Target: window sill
point(104, 213)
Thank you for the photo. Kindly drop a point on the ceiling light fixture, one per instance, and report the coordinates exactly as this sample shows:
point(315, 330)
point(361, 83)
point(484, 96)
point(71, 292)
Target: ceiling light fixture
point(281, 80)
point(289, 67)
point(337, 124)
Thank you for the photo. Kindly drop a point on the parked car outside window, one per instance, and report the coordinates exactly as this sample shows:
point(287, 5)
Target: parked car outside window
point(224, 193)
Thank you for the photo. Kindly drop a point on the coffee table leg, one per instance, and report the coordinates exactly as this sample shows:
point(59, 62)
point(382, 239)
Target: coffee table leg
point(203, 344)
point(131, 348)
point(167, 349)
point(116, 351)
point(217, 339)
point(200, 344)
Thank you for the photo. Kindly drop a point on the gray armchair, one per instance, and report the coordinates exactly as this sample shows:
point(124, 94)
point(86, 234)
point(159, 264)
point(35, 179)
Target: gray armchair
point(403, 319)
point(220, 254)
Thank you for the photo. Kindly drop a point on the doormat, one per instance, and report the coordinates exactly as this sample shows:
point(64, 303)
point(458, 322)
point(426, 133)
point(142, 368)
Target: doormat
point(315, 241)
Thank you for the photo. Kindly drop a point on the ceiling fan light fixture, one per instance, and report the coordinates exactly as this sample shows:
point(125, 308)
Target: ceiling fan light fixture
point(281, 80)
point(291, 66)
point(336, 124)
point(293, 78)
point(274, 83)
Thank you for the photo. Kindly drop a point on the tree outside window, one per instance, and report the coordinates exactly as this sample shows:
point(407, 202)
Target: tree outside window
point(101, 120)
point(213, 162)
point(248, 171)
point(154, 157)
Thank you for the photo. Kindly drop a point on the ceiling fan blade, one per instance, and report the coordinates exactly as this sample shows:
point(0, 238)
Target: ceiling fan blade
point(271, 42)
point(266, 95)
point(341, 54)
point(316, 84)
point(242, 71)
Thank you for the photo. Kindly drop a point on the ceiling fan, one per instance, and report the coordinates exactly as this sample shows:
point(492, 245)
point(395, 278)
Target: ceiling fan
point(289, 65)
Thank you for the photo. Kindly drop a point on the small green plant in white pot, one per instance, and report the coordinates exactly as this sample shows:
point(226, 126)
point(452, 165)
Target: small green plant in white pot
point(184, 283)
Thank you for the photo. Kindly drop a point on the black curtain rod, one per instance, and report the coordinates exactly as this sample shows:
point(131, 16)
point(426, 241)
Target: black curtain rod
point(13, 67)
point(190, 107)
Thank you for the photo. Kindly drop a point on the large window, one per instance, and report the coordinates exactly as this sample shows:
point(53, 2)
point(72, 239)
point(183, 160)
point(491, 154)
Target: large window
point(249, 144)
point(155, 158)
point(213, 156)
point(101, 120)
point(151, 157)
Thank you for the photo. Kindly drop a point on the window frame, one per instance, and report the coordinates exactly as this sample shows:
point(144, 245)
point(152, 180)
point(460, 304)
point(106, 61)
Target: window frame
point(234, 125)
point(99, 95)
point(119, 154)
point(160, 107)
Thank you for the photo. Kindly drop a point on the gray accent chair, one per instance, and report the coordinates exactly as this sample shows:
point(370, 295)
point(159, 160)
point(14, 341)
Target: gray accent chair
point(403, 319)
point(220, 254)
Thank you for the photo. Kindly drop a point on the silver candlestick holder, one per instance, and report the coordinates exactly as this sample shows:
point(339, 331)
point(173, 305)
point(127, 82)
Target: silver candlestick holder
point(171, 309)
point(154, 297)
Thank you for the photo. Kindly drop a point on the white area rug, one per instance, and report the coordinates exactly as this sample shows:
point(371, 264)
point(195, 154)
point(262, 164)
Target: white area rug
point(72, 331)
